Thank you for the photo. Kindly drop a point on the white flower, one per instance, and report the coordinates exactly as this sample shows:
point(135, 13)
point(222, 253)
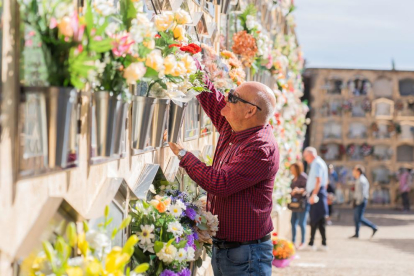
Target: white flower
point(134, 72)
point(98, 241)
point(180, 204)
point(182, 17)
point(147, 247)
point(146, 235)
point(175, 228)
point(176, 210)
point(181, 255)
point(104, 7)
point(250, 22)
point(77, 261)
point(190, 254)
point(167, 254)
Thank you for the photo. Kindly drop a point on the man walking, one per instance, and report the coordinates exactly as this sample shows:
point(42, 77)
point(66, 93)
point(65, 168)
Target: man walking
point(240, 181)
point(361, 196)
point(316, 188)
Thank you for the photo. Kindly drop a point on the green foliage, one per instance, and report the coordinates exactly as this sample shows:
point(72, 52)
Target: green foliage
point(128, 12)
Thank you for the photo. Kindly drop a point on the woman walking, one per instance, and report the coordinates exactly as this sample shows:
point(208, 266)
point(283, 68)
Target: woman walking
point(298, 187)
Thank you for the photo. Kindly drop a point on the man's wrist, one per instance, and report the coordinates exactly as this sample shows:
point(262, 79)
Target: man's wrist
point(181, 154)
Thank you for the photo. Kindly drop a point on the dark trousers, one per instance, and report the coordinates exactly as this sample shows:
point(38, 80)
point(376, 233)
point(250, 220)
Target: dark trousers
point(321, 226)
point(406, 201)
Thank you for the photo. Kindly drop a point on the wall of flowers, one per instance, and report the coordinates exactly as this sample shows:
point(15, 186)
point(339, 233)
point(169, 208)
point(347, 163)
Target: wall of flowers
point(104, 85)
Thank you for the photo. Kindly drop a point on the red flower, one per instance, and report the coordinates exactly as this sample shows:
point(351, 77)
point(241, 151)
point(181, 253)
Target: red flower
point(191, 48)
point(175, 45)
point(157, 36)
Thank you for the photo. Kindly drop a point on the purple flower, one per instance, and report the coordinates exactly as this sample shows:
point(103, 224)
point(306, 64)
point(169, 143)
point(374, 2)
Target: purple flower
point(168, 273)
point(184, 272)
point(195, 236)
point(191, 213)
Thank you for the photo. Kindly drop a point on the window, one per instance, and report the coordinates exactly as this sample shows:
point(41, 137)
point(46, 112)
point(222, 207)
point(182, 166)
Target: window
point(383, 88)
point(407, 131)
point(406, 87)
point(359, 86)
point(381, 175)
point(357, 130)
point(382, 152)
point(332, 152)
point(334, 86)
point(383, 108)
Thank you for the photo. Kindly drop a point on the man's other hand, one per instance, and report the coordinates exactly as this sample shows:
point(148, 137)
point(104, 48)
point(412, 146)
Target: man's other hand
point(175, 148)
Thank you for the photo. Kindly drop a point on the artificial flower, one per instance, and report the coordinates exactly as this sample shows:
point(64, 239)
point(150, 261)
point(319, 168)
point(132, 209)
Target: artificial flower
point(168, 272)
point(74, 271)
point(65, 27)
point(150, 44)
point(189, 63)
point(179, 33)
point(164, 21)
point(175, 228)
point(184, 272)
point(169, 63)
point(146, 234)
point(122, 44)
point(190, 254)
point(191, 213)
point(155, 60)
point(179, 69)
point(181, 255)
point(176, 210)
point(182, 17)
point(99, 242)
point(167, 254)
point(134, 72)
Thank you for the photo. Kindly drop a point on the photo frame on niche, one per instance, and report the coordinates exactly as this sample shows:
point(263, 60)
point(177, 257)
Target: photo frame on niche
point(359, 86)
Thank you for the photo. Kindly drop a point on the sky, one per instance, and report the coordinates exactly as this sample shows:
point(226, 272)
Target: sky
point(356, 33)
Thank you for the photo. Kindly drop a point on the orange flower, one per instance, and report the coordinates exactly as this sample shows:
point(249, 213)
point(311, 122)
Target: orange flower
point(245, 45)
point(161, 204)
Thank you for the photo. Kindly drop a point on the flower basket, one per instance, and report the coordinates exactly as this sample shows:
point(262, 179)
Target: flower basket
point(159, 122)
point(142, 117)
point(177, 112)
point(281, 263)
point(110, 113)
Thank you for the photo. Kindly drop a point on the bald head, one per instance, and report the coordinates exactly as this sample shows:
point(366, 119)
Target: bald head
point(262, 96)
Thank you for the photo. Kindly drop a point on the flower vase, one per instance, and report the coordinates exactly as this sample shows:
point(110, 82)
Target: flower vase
point(281, 263)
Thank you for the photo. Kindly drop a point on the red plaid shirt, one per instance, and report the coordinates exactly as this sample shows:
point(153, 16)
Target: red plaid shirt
point(240, 182)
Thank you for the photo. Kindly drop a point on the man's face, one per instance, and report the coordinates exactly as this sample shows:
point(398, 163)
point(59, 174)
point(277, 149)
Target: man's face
point(355, 173)
point(237, 112)
point(308, 157)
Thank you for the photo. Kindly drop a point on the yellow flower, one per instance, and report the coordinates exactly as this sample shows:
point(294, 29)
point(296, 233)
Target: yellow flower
point(134, 72)
point(150, 44)
point(179, 33)
point(65, 27)
point(116, 260)
point(94, 268)
point(189, 63)
point(164, 21)
point(170, 63)
point(155, 60)
point(83, 244)
point(74, 271)
point(182, 17)
point(179, 70)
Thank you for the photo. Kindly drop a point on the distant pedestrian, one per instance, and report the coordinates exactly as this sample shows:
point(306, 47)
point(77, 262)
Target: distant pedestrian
point(361, 196)
point(333, 179)
point(298, 187)
point(405, 180)
point(316, 188)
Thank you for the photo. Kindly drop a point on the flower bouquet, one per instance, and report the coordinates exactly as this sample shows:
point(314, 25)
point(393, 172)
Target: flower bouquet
point(283, 251)
point(86, 253)
point(173, 231)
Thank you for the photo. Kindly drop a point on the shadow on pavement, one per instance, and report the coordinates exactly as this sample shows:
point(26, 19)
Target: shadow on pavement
point(404, 245)
point(345, 217)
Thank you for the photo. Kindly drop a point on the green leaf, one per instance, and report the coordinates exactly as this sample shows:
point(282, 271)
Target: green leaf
point(140, 256)
point(114, 232)
point(85, 226)
point(151, 73)
point(71, 234)
point(141, 268)
point(108, 222)
point(131, 242)
point(106, 211)
point(181, 244)
point(202, 226)
point(125, 222)
point(89, 17)
point(175, 79)
point(128, 12)
point(160, 268)
point(49, 251)
point(170, 242)
point(145, 204)
point(199, 262)
point(158, 246)
point(101, 46)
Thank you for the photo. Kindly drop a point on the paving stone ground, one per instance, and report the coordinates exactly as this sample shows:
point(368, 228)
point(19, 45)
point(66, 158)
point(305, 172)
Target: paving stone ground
point(389, 253)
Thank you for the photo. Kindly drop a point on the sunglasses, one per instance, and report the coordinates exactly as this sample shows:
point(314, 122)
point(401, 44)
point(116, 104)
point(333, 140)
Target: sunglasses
point(231, 98)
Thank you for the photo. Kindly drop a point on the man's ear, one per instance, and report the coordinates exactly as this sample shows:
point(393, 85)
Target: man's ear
point(251, 111)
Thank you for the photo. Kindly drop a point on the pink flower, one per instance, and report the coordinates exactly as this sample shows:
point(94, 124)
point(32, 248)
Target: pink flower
point(53, 23)
point(28, 43)
point(122, 45)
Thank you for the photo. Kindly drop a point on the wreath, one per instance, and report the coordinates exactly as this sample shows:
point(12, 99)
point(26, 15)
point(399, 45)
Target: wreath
point(342, 150)
point(399, 105)
point(366, 149)
point(374, 127)
point(350, 149)
point(411, 104)
point(366, 105)
point(391, 128)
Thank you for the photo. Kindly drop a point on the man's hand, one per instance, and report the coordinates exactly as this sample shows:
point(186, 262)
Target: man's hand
point(312, 199)
point(175, 147)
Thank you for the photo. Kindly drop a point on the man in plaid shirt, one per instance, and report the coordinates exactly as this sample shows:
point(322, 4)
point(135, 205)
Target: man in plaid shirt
point(240, 181)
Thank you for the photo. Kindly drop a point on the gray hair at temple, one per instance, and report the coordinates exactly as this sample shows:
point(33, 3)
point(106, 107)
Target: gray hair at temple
point(312, 151)
point(262, 100)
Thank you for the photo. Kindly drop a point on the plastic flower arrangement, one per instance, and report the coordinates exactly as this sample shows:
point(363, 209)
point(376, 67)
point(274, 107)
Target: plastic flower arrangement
point(172, 231)
point(236, 71)
point(217, 69)
point(95, 257)
point(171, 67)
point(70, 46)
point(282, 248)
point(253, 43)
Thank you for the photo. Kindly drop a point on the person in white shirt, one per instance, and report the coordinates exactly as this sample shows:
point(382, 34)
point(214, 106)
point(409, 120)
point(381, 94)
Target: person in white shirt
point(361, 196)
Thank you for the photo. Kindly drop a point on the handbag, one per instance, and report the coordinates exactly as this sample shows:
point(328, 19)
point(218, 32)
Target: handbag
point(298, 204)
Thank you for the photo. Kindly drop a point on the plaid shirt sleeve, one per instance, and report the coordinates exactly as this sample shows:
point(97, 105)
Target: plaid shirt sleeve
point(213, 103)
point(247, 169)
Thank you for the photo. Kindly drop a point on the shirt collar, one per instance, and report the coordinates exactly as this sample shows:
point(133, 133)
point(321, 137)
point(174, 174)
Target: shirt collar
point(244, 134)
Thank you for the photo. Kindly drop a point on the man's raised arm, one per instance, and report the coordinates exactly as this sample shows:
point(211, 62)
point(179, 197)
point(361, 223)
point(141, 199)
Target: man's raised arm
point(212, 103)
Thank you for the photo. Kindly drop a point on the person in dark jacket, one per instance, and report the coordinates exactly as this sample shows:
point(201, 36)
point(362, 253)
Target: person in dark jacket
point(298, 187)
